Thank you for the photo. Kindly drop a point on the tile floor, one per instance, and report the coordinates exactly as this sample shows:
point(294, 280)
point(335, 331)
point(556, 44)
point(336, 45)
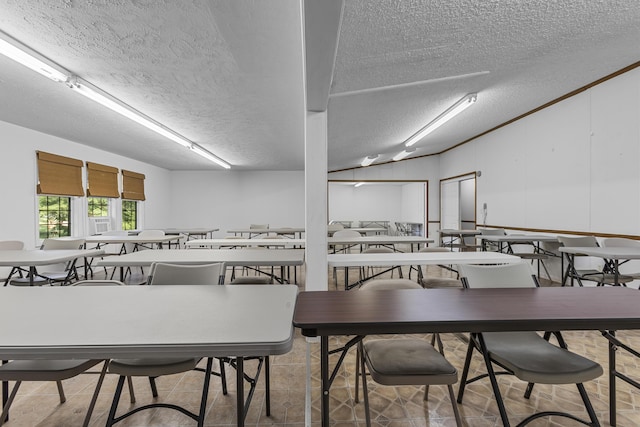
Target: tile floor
point(38, 405)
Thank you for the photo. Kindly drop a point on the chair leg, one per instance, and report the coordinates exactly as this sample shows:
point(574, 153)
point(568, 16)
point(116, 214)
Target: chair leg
point(114, 404)
point(465, 370)
point(267, 385)
point(365, 391)
point(588, 406)
point(132, 394)
point(454, 405)
point(154, 389)
point(5, 410)
point(63, 398)
point(96, 392)
point(357, 399)
point(223, 376)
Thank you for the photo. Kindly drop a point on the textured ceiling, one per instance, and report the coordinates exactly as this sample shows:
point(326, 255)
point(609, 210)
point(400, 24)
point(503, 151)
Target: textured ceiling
point(229, 74)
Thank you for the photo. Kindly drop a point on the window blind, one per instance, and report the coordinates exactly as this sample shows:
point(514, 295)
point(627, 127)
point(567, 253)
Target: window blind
point(59, 175)
point(102, 180)
point(132, 185)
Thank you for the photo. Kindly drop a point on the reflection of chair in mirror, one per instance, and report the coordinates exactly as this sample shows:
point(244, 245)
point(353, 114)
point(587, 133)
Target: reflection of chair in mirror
point(402, 361)
point(596, 272)
point(169, 274)
point(526, 355)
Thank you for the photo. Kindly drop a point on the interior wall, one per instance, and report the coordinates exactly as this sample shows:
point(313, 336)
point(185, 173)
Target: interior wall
point(569, 167)
point(18, 176)
point(413, 203)
point(229, 199)
point(365, 203)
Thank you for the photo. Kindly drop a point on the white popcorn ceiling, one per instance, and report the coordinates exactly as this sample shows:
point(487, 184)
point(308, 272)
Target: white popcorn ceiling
point(228, 74)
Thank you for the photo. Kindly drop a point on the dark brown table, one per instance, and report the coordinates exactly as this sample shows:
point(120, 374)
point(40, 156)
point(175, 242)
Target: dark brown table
point(607, 309)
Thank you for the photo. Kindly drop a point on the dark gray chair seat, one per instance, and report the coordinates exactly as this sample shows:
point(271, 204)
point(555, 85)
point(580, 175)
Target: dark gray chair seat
point(534, 359)
point(152, 367)
point(407, 362)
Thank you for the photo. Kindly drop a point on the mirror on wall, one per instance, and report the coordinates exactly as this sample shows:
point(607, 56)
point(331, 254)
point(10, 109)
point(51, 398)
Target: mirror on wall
point(400, 207)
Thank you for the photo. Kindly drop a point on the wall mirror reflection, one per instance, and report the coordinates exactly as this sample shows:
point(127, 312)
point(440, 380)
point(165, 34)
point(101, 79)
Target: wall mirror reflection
point(391, 207)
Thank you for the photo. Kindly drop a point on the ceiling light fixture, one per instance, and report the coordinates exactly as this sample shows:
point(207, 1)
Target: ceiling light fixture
point(207, 155)
point(450, 113)
point(404, 153)
point(358, 184)
point(114, 104)
point(369, 159)
point(14, 50)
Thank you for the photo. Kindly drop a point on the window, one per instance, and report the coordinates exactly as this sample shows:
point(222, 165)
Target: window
point(54, 216)
point(98, 206)
point(129, 214)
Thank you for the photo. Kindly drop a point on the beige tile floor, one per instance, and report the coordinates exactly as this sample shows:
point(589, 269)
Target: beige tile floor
point(38, 405)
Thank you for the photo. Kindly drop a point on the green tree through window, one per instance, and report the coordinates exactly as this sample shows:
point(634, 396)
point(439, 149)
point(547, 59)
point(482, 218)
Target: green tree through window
point(129, 214)
point(54, 216)
point(98, 206)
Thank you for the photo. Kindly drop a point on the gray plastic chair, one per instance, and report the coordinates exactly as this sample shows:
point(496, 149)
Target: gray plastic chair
point(55, 273)
point(402, 361)
point(168, 274)
point(11, 245)
point(526, 355)
point(598, 275)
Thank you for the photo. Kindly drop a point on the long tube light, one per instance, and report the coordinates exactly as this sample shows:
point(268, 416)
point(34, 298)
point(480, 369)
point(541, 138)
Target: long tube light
point(121, 108)
point(29, 58)
point(369, 160)
point(16, 51)
point(404, 153)
point(358, 184)
point(207, 155)
point(450, 113)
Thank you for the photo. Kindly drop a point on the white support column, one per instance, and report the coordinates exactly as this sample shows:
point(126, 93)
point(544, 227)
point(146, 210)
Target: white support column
point(316, 202)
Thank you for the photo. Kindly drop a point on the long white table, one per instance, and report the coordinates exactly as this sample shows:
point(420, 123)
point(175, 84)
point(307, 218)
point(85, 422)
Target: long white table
point(102, 240)
point(239, 257)
point(151, 321)
point(191, 232)
point(294, 232)
point(35, 258)
point(381, 239)
point(415, 258)
point(238, 243)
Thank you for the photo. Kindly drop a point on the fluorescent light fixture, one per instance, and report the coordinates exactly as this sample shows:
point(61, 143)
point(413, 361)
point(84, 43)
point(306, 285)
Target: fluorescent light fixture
point(207, 155)
point(404, 153)
point(358, 184)
point(103, 98)
point(14, 50)
point(369, 159)
point(450, 113)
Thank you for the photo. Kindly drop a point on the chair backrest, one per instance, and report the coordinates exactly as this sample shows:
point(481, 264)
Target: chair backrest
point(258, 226)
point(618, 242)
point(11, 245)
point(378, 250)
point(54, 244)
point(335, 227)
point(384, 284)
point(97, 282)
point(435, 249)
point(518, 275)
point(347, 233)
point(151, 233)
point(580, 241)
point(181, 274)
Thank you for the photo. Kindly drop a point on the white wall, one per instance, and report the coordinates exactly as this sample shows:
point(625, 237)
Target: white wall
point(570, 167)
point(229, 199)
point(377, 202)
point(18, 178)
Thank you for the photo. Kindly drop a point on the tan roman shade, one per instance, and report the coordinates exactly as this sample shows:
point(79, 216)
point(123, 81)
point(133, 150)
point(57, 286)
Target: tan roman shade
point(132, 185)
point(102, 181)
point(58, 175)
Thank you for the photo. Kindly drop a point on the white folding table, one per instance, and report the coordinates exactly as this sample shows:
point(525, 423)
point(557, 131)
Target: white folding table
point(151, 321)
point(415, 258)
point(238, 243)
point(380, 239)
point(236, 258)
point(35, 258)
